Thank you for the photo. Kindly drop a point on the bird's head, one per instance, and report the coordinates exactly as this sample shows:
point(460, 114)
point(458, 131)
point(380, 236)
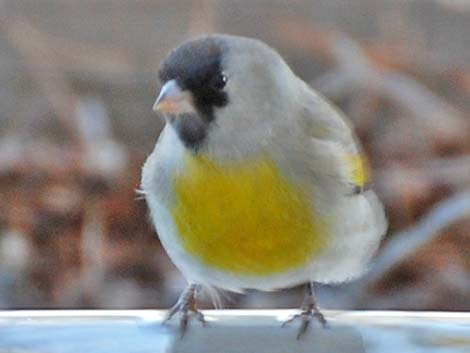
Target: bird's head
point(224, 90)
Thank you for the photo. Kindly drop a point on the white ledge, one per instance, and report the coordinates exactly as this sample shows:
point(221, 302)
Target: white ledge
point(232, 331)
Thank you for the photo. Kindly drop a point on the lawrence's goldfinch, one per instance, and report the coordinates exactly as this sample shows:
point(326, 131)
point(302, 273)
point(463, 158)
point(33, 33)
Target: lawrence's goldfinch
point(256, 181)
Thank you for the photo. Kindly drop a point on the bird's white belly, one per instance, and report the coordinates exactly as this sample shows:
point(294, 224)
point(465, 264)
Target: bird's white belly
point(217, 234)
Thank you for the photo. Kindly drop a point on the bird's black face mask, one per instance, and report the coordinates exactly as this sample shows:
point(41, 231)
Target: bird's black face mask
point(193, 88)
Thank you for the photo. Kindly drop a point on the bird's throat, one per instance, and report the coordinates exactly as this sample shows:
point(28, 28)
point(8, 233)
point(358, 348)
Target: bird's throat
point(191, 129)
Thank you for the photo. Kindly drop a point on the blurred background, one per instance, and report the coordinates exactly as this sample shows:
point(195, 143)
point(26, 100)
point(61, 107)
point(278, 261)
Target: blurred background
point(77, 83)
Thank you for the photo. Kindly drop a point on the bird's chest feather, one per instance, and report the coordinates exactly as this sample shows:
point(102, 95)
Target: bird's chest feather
point(244, 218)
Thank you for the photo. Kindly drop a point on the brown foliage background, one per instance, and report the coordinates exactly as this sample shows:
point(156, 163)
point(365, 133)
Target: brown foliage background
point(77, 82)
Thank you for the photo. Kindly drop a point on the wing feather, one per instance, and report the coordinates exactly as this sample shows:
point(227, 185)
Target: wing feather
point(327, 127)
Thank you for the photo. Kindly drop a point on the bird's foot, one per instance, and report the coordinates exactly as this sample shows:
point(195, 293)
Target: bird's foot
point(309, 310)
point(187, 307)
point(306, 317)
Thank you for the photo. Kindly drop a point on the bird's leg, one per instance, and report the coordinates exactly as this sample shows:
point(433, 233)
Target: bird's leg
point(187, 306)
point(309, 310)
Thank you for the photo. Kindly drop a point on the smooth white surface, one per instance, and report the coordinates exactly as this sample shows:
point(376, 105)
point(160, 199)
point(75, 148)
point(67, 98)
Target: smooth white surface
point(232, 331)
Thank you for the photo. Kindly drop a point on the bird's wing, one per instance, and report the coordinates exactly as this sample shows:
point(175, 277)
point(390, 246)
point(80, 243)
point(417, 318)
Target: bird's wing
point(334, 151)
point(336, 171)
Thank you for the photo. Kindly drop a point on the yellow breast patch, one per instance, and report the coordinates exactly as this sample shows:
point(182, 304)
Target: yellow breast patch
point(244, 218)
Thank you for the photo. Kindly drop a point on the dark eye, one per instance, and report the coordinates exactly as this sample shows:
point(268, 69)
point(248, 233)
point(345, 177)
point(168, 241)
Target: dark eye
point(219, 81)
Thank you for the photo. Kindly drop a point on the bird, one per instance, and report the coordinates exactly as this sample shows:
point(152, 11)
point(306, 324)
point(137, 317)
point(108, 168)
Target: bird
point(256, 181)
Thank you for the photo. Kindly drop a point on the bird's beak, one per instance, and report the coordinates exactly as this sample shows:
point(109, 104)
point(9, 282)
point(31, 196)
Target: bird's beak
point(173, 100)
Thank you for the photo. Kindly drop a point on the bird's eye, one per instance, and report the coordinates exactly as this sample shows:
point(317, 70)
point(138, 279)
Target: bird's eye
point(219, 81)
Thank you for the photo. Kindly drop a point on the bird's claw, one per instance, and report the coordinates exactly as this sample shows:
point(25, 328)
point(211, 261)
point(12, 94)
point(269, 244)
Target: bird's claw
point(309, 311)
point(306, 317)
point(186, 315)
point(187, 307)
